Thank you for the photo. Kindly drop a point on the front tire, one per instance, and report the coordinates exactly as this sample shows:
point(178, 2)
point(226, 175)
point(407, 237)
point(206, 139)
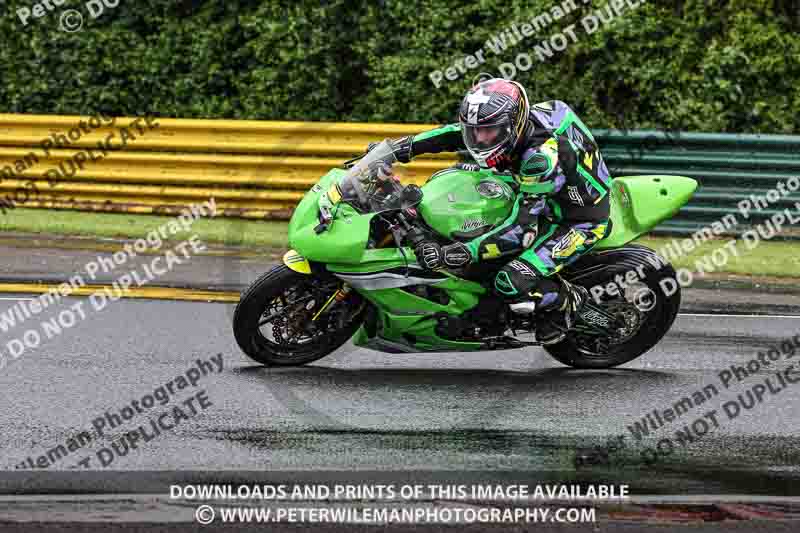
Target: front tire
point(650, 319)
point(273, 322)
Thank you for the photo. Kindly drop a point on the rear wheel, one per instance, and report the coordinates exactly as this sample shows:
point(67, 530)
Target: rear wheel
point(645, 309)
point(274, 322)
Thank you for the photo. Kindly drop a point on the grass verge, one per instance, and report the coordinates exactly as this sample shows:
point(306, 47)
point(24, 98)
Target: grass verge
point(226, 231)
point(769, 258)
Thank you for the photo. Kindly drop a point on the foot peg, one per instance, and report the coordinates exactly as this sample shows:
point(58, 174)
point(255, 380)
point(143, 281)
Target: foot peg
point(523, 308)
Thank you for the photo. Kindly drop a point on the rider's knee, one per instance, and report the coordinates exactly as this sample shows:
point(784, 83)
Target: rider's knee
point(518, 280)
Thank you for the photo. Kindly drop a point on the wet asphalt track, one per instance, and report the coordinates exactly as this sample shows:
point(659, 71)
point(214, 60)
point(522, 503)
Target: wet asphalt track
point(361, 411)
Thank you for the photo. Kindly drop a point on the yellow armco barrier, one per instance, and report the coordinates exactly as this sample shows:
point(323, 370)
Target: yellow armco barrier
point(254, 169)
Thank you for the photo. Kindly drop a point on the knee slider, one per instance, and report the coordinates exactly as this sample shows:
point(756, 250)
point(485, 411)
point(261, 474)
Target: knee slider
point(518, 280)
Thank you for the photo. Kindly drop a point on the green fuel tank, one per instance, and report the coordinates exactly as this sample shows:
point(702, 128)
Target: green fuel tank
point(461, 204)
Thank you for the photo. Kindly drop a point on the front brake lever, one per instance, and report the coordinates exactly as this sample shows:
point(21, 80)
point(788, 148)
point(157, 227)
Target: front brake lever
point(350, 163)
point(414, 234)
point(398, 233)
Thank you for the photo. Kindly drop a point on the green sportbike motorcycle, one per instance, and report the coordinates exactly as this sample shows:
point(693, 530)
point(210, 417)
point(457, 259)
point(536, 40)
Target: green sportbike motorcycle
point(352, 272)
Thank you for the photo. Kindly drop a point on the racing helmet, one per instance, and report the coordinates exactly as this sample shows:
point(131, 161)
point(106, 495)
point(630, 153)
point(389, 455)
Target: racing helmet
point(493, 116)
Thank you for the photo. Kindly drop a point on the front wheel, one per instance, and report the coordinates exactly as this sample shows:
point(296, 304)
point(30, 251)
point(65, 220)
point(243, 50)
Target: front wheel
point(645, 306)
point(282, 319)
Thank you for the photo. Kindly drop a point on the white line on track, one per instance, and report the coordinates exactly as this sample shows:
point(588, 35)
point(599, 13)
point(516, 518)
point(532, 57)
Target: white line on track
point(643, 498)
point(707, 315)
point(163, 502)
point(721, 315)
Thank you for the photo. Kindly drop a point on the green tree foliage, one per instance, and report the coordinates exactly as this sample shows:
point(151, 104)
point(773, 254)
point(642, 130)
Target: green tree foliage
point(693, 65)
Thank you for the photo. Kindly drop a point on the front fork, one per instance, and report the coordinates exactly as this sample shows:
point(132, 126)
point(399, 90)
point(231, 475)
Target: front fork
point(339, 296)
point(298, 263)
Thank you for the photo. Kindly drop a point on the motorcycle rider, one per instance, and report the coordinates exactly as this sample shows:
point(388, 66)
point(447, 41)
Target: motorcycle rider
point(563, 184)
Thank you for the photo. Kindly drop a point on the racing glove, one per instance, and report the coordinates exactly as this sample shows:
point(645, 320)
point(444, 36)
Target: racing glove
point(433, 257)
point(456, 255)
point(429, 255)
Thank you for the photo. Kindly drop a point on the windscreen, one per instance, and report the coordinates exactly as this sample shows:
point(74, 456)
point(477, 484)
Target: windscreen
point(372, 186)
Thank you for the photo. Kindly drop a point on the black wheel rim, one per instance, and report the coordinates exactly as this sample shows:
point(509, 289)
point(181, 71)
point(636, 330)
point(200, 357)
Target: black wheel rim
point(286, 326)
point(630, 319)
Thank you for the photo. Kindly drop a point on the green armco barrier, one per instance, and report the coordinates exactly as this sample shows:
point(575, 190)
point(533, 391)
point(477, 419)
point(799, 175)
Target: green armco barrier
point(749, 179)
point(262, 169)
point(717, 140)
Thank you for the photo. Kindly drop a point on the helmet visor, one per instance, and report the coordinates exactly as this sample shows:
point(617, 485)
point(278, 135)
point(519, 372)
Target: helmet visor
point(485, 137)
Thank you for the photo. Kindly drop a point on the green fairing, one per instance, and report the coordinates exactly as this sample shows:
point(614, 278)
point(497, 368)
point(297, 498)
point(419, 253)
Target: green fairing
point(345, 240)
point(402, 314)
point(376, 260)
point(469, 209)
point(638, 203)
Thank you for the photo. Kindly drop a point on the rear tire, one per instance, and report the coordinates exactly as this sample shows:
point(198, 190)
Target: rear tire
point(652, 324)
point(281, 284)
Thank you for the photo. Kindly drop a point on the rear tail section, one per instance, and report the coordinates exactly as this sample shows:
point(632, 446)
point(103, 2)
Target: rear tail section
point(640, 203)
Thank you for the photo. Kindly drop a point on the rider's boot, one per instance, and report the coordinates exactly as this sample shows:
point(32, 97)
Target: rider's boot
point(552, 325)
